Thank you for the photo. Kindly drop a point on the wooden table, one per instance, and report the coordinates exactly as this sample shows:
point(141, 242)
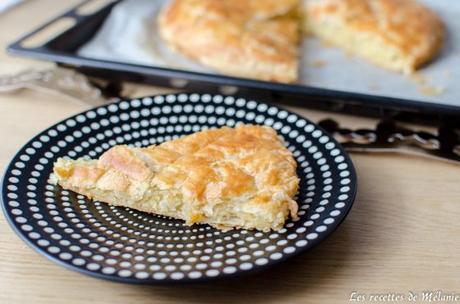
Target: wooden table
point(402, 234)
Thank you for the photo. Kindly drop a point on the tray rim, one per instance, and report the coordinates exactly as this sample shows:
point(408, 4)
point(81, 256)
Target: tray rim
point(43, 52)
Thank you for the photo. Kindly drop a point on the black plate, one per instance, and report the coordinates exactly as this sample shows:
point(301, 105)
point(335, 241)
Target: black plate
point(129, 246)
point(62, 49)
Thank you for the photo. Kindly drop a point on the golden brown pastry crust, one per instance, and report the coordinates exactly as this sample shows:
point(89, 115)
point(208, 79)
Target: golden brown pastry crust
point(209, 177)
point(406, 28)
point(246, 38)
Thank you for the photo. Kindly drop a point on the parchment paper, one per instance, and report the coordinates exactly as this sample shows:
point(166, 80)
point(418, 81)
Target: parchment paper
point(129, 35)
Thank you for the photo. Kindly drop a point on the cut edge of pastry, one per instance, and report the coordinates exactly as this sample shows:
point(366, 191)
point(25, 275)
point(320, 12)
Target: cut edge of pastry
point(366, 42)
point(364, 45)
point(225, 216)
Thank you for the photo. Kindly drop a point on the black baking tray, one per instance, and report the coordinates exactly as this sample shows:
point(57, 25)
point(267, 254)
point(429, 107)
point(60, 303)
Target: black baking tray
point(62, 49)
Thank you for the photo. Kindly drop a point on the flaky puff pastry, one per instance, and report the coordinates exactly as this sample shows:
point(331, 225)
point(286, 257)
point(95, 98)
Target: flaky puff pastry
point(245, 38)
point(228, 178)
point(399, 35)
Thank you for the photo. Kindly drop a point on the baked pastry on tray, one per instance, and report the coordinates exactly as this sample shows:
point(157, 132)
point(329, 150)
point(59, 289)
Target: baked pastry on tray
point(399, 35)
point(246, 38)
point(228, 178)
point(261, 38)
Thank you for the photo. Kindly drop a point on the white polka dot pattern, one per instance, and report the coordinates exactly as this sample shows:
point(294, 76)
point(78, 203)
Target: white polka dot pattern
point(130, 246)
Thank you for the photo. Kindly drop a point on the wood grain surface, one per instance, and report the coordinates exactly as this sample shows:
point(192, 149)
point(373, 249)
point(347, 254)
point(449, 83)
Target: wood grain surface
point(402, 234)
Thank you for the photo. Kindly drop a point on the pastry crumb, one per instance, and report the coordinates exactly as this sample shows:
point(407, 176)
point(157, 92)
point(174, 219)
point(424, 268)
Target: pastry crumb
point(431, 91)
point(319, 63)
point(374, 87)
point(446, 73)
point(424, 87)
